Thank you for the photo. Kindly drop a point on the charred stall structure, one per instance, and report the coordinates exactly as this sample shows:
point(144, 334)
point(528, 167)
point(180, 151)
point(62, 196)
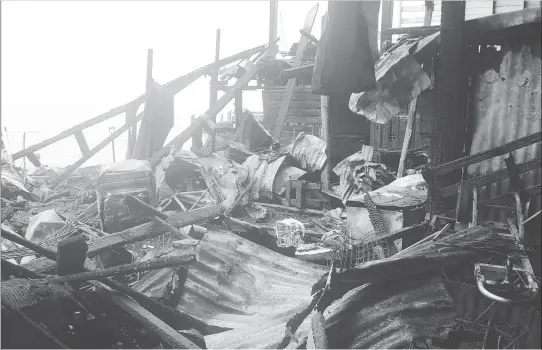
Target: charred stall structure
point(387, 197)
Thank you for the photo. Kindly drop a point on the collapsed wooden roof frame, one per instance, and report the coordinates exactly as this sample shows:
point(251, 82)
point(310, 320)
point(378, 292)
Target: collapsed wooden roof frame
point(130, 108)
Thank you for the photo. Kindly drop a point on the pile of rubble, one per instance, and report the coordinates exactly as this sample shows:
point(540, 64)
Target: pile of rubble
point(235, 248)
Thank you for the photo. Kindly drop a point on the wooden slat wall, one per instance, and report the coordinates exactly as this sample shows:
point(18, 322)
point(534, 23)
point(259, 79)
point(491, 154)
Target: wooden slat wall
point(411, 13)
point(303, 114)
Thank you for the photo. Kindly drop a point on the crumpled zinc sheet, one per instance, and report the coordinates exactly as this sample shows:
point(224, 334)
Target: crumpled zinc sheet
point(309, 151)
point(399, 79)
point(240, 285)
point(389, 315)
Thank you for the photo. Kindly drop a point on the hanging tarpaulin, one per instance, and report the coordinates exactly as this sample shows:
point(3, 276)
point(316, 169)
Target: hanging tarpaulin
point(345, 57)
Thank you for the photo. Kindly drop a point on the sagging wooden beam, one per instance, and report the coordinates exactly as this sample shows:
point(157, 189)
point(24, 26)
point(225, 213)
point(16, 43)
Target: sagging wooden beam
point(298, 72)
point(173, 87)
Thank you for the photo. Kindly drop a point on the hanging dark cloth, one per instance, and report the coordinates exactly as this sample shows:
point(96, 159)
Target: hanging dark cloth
point(344, 58)
point(156, 124)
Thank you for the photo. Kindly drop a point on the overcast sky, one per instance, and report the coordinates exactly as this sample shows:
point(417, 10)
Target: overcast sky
point(64, 62)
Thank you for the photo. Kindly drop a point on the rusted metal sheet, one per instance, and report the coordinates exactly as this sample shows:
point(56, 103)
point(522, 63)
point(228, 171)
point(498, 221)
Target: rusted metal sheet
point(505, 106)
point(375, 316)
point(237, 284)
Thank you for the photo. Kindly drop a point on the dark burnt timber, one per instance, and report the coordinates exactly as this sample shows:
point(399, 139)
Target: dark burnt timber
point(450, 118)
point(147, 319)
point(99, 274)
point(149, 230)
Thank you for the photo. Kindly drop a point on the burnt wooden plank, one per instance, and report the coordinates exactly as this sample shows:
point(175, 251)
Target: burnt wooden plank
point(146, 318)
point(150, 230)
point(125, 269)
point(494, 152)
point(493, 177)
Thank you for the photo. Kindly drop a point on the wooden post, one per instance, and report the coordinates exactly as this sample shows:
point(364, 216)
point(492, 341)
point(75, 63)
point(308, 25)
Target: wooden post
point(273, 19)
point(24, 158)
point(238, 107)
point(213, 95)
point(429, 5)
point(132, 132)
point(214, 87)
point(387, 19)
point(450, 119)
point(325, 133)
point(474, 206)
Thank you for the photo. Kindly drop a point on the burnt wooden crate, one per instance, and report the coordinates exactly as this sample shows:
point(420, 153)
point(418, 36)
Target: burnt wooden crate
point(303, 194)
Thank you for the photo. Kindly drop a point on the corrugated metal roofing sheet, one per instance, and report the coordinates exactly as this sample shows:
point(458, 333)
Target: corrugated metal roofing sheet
point(236, 283)
point(505, 106)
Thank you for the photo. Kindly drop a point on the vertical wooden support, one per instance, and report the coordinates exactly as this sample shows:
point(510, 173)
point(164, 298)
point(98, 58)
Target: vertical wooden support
point(213, 94)
point(214, 86)
point(238, 106)
point(474, 206)
point(132, 132)
point(24, 158)
point(273, 19)
point(149, 80)
point(298, 194)
point(429, 5)
point(387, 20)
point(325, 133)
point(449, 122)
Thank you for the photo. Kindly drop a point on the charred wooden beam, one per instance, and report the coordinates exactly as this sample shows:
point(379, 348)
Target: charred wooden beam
point(7, 233)
point(100, 274)
point(485, 155)
point(147, 319)
point(150, 230)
